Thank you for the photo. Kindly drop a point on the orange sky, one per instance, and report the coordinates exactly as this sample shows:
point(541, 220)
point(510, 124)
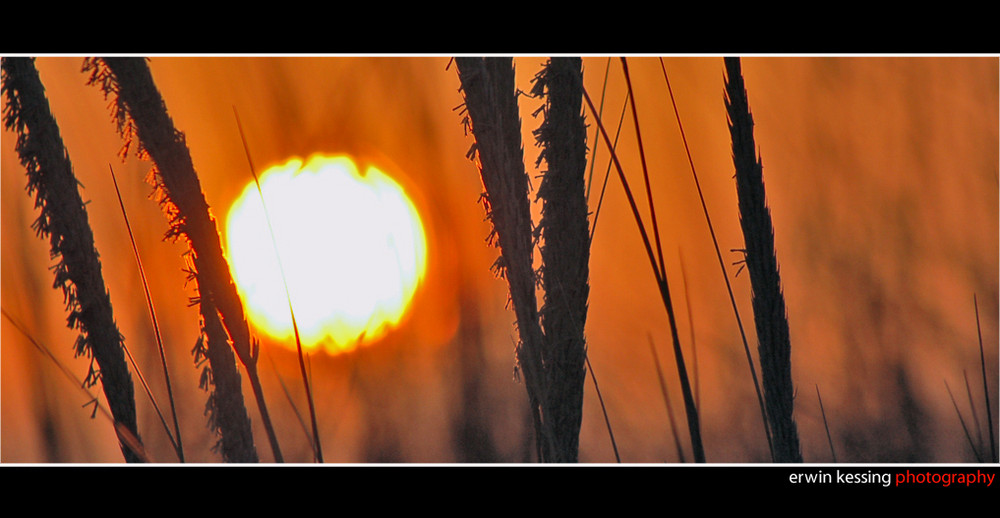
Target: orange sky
point(881, 176)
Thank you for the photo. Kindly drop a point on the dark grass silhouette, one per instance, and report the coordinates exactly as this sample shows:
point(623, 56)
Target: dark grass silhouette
point(552, 352)
point(860, 436)
point(141, 114)
point(63, 218)
point(722, 267)
point(659, 269)
point(565, 251)
point(491, 105)
point(770, 316)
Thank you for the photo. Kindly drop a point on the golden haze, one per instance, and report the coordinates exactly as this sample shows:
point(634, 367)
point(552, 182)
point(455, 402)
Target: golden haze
point(881, 175)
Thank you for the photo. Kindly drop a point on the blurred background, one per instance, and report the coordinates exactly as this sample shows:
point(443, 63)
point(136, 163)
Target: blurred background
point(882, 179)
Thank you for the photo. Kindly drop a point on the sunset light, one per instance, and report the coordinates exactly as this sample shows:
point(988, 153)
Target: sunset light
point(490, 260)
point(351, 245)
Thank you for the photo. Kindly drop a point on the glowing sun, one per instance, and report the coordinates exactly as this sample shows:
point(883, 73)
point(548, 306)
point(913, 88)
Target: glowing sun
point(352, 248)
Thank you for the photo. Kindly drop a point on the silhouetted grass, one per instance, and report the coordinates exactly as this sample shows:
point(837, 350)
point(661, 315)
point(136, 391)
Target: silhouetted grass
point(141, 113)
point(178, 443)
point(666, 401)
point(659, 273)
point(722, 265)
point(552, 353)
point(770, 316)
point(314, 440)
point(491, 104)
point(986, 387)
point(826, 425)
point(552, 350)
point(965, 428)
point(63, 218)
point(129, 441)
point(565, 251)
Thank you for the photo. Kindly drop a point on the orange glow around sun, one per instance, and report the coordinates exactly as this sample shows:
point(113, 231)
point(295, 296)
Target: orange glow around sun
point(352, 248)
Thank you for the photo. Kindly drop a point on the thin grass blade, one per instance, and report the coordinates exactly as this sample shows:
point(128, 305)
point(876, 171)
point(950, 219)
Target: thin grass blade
point(694, 427)
point(142, 119)
point(826, 425)
point(666, 400)
point(125, 435)
point(178, 444)
point(722, 264)
point(645, 170)
point(604, 411)
point(986, 387)
point(968, 436)
point(607, 172)
point(317, 446)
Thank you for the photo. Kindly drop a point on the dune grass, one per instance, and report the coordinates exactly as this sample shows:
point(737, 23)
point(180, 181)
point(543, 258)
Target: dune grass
point(565, 252)
point(491, 105)
point(314, 440)
point(552, 350)
point(129, 441)
point(770, 315)
point(63, 219)
point(175, 438)
point(141, 114)
point(659, 274)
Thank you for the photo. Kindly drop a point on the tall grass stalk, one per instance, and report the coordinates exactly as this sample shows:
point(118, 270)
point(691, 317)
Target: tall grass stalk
point(645, 170)
point(694, 427)
point(770, 316)
point(127, 438)
point(552, 352)
point(226, 410)
point(141, 113)
point(492, 117)
point(566, 249)
point(604, 411)
point(607, 172)
point(316, 445)
point(291, 402)
point(694, 346)
point(178, 443)
point(600, 111)
point(972, 408)
point(63, 218)
point(722, 264)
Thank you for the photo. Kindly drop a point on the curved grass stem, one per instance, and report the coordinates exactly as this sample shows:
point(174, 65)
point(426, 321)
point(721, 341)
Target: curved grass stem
point(177, 444)
point(722, 264)
point(317, 446)
point(694, 427)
